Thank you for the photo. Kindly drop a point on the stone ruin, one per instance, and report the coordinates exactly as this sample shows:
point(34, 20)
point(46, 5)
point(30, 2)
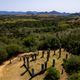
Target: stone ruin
point(44, 66)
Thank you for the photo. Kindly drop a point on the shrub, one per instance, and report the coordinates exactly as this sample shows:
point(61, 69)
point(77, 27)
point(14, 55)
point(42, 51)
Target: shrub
point(74, 77)
point(3, 55)
point(52, 74)
point(30, 43)
point(50, 41)
point(13, 50)
point(72, 65)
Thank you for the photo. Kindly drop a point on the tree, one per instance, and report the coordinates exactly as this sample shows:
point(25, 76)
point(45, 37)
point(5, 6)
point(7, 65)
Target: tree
point(13, 50)
point(54, 44)
point(30, 43)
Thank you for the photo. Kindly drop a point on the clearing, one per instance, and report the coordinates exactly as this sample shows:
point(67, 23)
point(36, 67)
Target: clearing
point(14, 70)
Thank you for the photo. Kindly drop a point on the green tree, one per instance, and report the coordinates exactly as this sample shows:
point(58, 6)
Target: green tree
point(30, 43)
point(13, 50)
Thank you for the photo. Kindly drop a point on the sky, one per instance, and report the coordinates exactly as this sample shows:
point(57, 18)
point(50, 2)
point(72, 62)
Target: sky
point(70, 6)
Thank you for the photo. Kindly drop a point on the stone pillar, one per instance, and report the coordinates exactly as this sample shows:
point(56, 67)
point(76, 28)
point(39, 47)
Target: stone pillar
point(47, 58)
point(48, 55)
point(54, 51)
point(27, 62)
point(20, 58)
point(45, 65)
point(66, 56)
point(24, 60)
point(10, 61)
point(60, 52)
point(38, 52)
point(32, 57)
point(48, 52)
point(33, 73)
point(35, 55)
point(42, 54)
point(53, 64)
point(62, 71)
point(42, 67)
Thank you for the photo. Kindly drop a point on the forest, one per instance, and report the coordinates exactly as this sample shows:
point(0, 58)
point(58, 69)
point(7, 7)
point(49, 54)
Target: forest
point(26, 33)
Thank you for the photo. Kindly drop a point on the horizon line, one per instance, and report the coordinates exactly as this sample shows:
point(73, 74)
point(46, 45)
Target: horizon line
point(37, 11)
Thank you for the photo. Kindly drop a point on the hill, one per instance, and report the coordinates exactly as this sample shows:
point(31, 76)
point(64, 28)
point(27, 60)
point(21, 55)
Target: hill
point(32, 12)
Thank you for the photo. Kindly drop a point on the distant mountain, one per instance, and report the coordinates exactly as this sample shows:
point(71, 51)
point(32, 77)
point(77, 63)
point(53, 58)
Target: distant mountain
point(11, 13)
point(75, 14)
point(32, 12)
point(51, 12)
point(58, 13)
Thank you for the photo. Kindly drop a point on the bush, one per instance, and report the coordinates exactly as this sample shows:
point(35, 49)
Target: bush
point(3, 55)
point(72, 65)
point(74, 77)
point(49, 41)
point(52, 74)
point(30, 43)
point(13, 50)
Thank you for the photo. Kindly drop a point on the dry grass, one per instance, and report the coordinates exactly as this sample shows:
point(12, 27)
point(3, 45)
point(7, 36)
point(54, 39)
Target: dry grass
point(13, 71)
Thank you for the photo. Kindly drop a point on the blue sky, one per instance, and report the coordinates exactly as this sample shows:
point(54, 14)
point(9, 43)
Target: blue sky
point(40, 5)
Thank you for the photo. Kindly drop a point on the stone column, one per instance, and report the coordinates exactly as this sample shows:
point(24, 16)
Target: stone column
point(20, 58)
point(60, 51)
point(66, 56)
point(37, 52)
point(48, 52)
point(33, 73)
point(42, 54)
point(35, 55)
point(42, 67)
point(53, 64)
point(27, 62)
point(24, 60)
point(54, 51)
point(32, 57)
point(48, 55)
point(45, 65)
point(62, 71)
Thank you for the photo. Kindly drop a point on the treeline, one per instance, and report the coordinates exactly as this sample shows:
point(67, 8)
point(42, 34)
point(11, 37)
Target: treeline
point(40, 34)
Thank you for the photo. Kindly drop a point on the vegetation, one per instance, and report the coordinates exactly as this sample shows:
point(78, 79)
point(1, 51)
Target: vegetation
point(74, 77)
point(52, 74)
point(13, 50)
point(3, 55)
point(29, 33)
point(72, 67)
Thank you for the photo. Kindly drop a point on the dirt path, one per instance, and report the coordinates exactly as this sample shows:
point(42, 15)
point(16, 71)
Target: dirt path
point(13, 71)
point(10, 71)
point(2, 68)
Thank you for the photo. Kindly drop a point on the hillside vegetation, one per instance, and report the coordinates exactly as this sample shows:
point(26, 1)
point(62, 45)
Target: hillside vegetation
point(20, 34)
